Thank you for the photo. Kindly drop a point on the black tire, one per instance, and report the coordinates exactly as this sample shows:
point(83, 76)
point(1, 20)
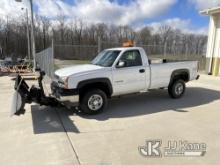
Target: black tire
point(177, 89)
point(87, 103)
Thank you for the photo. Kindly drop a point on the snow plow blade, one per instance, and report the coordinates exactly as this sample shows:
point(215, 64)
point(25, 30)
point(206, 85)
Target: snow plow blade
point(24, 94)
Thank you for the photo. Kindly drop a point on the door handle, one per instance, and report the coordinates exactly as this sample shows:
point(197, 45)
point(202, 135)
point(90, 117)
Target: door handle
point(142, 70)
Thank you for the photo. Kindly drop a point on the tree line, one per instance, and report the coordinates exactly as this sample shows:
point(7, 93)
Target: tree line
point(13, 36)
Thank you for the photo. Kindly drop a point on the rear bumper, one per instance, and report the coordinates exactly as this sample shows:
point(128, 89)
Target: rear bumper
point(66, 96)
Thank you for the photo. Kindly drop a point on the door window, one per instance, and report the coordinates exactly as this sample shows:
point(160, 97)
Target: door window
point(131, 58)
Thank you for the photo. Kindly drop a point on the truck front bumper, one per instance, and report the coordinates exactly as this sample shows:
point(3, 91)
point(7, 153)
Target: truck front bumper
point(65, 96)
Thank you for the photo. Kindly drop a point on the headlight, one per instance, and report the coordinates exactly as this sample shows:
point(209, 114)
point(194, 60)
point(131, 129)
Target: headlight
point(56, 77)
point(64, 81)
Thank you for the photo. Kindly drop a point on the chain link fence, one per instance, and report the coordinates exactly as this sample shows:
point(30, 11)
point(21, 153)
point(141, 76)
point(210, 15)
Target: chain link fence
point(45, 61)
point(75, 52)
point(59, 56)
point(177, 52)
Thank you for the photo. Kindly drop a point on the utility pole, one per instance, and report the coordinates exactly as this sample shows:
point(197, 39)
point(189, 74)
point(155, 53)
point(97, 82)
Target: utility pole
point(32, 33)
point(99, 44)
point(28, 36)
point(7, 37)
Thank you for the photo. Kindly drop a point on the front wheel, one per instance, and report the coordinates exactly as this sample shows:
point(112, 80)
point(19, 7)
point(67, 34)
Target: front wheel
point(93, 102)
point(177, 89)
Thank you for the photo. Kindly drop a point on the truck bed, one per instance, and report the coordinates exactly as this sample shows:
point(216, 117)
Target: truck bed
point(160, 61)
point(161, 71)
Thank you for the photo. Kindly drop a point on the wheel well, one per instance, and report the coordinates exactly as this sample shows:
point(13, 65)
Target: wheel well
point(97, 85)
point(180, 74)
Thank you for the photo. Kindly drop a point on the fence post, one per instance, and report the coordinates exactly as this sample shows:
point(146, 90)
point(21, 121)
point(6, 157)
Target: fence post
point(135, 43)
point(186, 53)
point(52, 58)
point(165, 50)
point(99, 44)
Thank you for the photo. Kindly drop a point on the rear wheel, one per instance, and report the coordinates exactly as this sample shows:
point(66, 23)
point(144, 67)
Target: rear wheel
point(93, 101)
point(177, 89)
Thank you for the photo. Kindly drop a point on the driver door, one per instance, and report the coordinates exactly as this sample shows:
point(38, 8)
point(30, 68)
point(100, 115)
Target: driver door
point(131, 77)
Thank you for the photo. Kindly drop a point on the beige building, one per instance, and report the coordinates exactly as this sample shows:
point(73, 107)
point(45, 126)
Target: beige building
point(213, 46)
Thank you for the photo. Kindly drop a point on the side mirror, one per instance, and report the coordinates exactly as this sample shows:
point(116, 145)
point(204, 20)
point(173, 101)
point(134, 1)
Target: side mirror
point(121, 64)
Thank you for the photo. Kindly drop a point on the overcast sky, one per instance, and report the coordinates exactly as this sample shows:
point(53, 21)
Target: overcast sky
point(182, 14)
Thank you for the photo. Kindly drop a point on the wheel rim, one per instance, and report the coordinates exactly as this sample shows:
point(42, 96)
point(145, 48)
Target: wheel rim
point(95, 102)
point(179, 88)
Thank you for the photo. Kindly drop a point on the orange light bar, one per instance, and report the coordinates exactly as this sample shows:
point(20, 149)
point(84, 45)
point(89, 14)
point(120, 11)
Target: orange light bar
point(129, 43)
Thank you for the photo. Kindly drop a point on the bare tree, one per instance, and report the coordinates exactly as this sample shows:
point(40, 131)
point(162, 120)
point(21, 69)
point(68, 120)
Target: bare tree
point(61, 27)
point(45, 25)
point(164, 32)
point(144, 35)
point(78, 28)
point(13, 36)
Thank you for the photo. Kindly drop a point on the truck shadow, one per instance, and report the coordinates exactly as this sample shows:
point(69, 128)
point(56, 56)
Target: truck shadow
point(58, 119)
point(156, 101)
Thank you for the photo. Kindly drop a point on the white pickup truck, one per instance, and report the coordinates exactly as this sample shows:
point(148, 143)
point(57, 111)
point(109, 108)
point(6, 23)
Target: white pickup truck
point(119, 71)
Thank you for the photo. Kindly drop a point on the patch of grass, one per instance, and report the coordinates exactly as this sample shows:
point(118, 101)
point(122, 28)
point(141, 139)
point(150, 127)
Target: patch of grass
point(56, 67)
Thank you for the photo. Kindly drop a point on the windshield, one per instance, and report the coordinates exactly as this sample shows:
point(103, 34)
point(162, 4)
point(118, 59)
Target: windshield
point(106, 58)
